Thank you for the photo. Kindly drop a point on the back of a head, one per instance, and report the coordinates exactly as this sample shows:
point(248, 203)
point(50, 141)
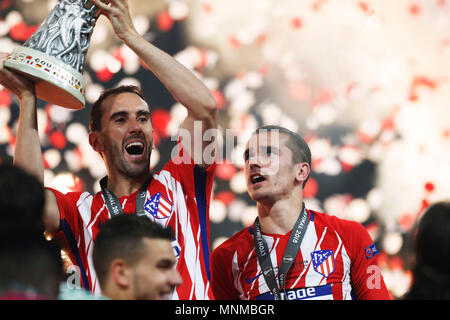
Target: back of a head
point(121, 238)
point(21, 201)
point(432, 270)
point(30, 266)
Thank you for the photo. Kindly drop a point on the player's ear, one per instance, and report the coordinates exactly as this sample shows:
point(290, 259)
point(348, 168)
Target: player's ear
point(302, 172)
point(96, 141)
point(121, 273)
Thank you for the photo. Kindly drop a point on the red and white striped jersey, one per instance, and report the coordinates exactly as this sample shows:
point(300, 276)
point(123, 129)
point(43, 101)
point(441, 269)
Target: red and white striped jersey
point(336, 261)
point(178, 196)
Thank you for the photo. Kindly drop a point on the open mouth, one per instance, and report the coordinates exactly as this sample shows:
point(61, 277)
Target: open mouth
point(256, 178)
point(135, 148)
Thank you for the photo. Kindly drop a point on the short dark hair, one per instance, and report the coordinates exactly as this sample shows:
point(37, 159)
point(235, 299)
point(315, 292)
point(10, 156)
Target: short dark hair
point(121, 237)
point(22, 200)
point(296, 143)
point(95, 116)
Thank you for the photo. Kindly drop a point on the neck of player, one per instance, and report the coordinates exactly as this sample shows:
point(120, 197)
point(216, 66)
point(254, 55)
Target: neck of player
point(124, 186)
point(279, 217)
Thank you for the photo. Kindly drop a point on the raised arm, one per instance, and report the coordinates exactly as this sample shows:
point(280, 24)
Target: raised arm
point(184, 86)
point(28, 154)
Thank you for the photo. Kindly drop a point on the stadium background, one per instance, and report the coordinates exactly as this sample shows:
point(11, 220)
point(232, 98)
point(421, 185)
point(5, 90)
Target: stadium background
point(366, 83)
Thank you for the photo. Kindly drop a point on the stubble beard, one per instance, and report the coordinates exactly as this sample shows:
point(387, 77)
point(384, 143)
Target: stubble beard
point(126, 168)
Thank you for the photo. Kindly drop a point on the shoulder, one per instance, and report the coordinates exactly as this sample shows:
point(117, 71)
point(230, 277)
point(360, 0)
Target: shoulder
point(72, 196)
point(184, 169)
point(239, 240)
point(347, 229)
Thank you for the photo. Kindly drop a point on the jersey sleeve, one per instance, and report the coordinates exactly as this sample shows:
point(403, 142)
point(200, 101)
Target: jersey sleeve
point(68, 211)
point(222, 282)
point(367, 280)
point(190, 173)
point(196, 181)
point(71, 230)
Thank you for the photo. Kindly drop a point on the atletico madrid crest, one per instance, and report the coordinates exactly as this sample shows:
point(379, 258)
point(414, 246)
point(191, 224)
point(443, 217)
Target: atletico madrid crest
point(159, 206)
point(323, 262)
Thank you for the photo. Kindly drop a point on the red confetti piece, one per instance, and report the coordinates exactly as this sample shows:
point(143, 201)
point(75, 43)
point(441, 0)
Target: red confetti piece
point(207, 7)
point(203, 59)
point(420, 81)
point(30, 30)
point(388, 123)
point(18, 31)
point(322, 97)
point(160, 121)
point(300, 91)
point(364, 6)
point(296, 23)
point(5, 98)
point(364, 137)
point(57, 139)
point(21, 32)
point(311, 188)
point(48, 127)
point(235, 43)
point(164, 21)
point(117, 54)
point(226, 197)
point(372, 228)
point(156, 138)
point(406, 221)
point(346, 167)
point(413, 96)
point(225, 171)
point(263, 70)
point(429, 186)
point(78, 185)
point(261, 39)
point(396, 262)
point(425, 204)
point(424, 81)
point(46, 165)
point(422, 148)
point(104, 75)
point(318, 4)
point(79, 156)
point(5, 4)
point(414, 9)
point(350, 87)
point(315, 163)
point(220, 99)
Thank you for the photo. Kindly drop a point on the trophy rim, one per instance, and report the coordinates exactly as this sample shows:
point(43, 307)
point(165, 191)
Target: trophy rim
point(69, 96)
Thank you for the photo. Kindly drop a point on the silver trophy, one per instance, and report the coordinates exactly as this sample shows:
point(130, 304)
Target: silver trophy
point(54, 56)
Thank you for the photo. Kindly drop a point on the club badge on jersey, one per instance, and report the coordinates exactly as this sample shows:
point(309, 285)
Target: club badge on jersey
point(323, 262)
point(159, 207)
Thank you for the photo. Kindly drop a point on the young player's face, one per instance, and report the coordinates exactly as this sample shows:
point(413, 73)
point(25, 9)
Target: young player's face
point(155, 275)
point(127, 134)
point(269, 170)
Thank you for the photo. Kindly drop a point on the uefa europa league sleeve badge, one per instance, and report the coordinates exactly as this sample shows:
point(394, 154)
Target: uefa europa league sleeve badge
point(54, 56)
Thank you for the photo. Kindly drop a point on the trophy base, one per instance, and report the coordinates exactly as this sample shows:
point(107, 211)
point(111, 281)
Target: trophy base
point(55, 81)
